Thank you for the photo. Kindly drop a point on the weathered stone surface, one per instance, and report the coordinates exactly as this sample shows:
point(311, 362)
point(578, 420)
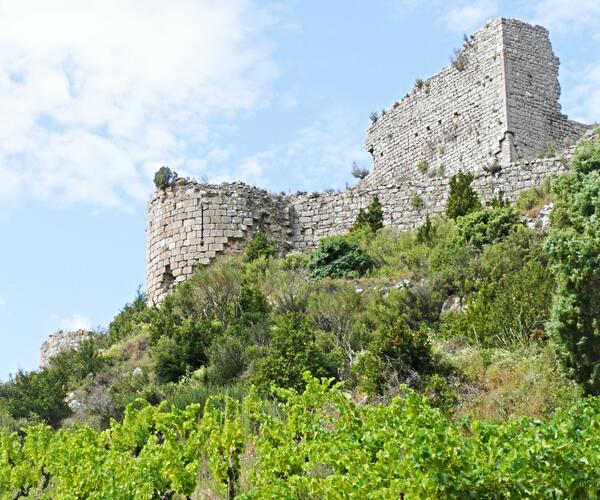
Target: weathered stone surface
point(453, 304)
point(490, 115)
point(60, 342)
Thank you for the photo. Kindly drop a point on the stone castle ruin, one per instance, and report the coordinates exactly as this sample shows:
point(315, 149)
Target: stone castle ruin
point(493, 111)
point(59, 342)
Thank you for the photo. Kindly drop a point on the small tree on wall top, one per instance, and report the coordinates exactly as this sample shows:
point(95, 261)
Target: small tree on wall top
point(164, 176)
point(462, 198)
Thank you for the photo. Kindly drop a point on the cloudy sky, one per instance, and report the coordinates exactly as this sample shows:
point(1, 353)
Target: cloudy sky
point(96, 95)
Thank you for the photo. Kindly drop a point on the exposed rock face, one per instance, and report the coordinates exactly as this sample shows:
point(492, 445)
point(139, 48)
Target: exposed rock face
point(542, 221)
point(489, 113)
point(60, 342)
point(453, 304)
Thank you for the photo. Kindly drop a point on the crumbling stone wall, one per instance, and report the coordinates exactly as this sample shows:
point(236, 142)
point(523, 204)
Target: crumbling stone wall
point(189, 224)
point(495, 104)
point(490, 113)
point(60, 342)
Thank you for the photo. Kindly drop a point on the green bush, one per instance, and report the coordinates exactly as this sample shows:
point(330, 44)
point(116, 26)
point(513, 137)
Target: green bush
point(462, 199)
point(164, 177)
point(574, 248)
point(535, 197)
point(37, 396)
point(338, 257)
point(292, 352)
point(259, 246)
point(587, 156)
point(181, 344)
point(487, 226)
point(509, 312)
point(129, 320)
point(417, 202)
point(372, 218)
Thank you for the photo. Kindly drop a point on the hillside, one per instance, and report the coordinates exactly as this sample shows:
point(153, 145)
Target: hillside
point(458, 359)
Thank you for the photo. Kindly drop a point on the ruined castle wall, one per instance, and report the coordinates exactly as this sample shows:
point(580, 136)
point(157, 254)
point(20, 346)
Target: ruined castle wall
point(533, 90)
point(498, 103)
point(496, 107)
point(61, 342)
point(406, 204)
point(189, 224)
point(454, 120)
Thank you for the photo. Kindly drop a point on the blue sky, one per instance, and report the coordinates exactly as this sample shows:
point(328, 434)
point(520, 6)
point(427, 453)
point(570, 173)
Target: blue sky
point(95, 96)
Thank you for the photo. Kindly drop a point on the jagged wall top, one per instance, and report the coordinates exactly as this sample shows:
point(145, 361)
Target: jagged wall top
point(495, 104)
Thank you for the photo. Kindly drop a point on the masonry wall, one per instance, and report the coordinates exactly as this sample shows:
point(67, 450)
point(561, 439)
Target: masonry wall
point(535, 120)
point(189, 224)
point(61, 342)
point(499, 108)
point(498, 103)
point(455, 120)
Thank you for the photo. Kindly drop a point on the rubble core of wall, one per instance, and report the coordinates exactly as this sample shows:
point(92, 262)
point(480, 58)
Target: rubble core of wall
point(60, 342)
point(189, 224)
point(495, 104)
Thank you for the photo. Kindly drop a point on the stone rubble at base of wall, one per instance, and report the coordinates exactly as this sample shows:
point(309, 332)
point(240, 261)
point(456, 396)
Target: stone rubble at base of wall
point(61, 342)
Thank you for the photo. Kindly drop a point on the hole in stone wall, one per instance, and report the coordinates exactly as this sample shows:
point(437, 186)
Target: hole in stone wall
point(167, 278)
point(416, 134)
point(456, 113)
point(428, 128)
point(439, 122)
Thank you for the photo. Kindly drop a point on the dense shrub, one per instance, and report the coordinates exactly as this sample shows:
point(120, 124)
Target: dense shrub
point(487, 226)
point(371, 218)
point(260, 246)
point(462, 199)
point(338, 257)
point(37, 396)
point(587, 157)
point(292, 352)
point(181, 344)
point(164, 177)
point(574, 247)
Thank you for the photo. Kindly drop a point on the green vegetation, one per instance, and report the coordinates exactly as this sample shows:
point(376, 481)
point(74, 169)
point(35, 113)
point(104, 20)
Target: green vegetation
point(574, 248)
point(164, 177)
point(422, 364)
point(259, 247)
point(338, 257)
point(370, 219)
point(317, 444)
point(462, 200)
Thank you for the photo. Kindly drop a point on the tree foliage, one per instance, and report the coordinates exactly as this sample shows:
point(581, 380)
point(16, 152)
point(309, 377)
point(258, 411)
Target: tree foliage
point(371, 218)
point(462, 199)
point(338, 257)
point(574, 247)
point(164, 177)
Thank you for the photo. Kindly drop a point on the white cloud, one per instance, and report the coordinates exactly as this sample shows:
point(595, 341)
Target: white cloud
point(466, 17)
point(98, 94)
point(316, 157)
point(2, 301)
point(75, 322)
point(567, 15)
